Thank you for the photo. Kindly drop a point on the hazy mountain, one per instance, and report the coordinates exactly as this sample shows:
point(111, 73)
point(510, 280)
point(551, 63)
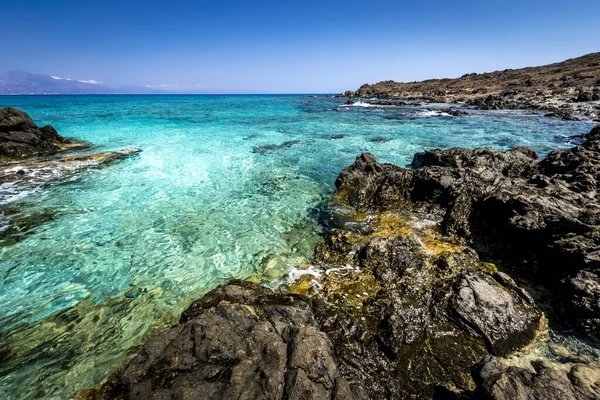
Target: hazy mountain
point(20, 82)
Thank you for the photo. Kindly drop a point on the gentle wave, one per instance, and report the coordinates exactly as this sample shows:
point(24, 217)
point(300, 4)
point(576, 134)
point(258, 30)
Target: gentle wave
point(429, 113)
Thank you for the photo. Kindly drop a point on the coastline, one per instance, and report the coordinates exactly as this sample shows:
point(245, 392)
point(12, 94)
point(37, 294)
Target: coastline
point(351, 263)
point(568, 90)
point(404, 301)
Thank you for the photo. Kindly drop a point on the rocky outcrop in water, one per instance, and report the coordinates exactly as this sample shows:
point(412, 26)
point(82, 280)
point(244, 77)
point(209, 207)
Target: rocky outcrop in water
point(274, 147)
point(31, 158)
point(402, 301)
point(565, 88)
point(20, 137)
point(537, 219)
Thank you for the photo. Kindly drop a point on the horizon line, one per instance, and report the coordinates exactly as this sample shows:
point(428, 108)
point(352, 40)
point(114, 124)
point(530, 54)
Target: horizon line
point(168, 94)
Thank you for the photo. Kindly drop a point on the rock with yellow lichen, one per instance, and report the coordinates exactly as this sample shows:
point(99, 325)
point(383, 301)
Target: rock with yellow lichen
point(538, 219)
point(410, 313)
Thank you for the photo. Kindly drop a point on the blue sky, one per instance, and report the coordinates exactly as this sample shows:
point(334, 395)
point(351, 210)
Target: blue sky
point(287, 46)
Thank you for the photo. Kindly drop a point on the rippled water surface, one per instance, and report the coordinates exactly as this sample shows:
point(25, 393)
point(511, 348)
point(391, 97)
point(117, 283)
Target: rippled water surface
point(226, 186)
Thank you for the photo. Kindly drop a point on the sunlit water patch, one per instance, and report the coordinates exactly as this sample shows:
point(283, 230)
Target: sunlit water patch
point(226, 186)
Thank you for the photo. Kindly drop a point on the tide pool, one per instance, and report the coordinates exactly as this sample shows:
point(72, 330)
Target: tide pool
point(225, 187)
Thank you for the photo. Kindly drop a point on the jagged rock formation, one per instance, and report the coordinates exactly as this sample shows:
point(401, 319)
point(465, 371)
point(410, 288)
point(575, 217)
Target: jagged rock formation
point(416, 313)
point(565, 88)
point(403, 306)
point(240, 341)
point(538, 219)
point(20, 137)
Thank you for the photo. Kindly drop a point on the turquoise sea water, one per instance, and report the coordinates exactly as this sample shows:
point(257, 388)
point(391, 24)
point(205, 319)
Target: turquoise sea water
point(226, 186)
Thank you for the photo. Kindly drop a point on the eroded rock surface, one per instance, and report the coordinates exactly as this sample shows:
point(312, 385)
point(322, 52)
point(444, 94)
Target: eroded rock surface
point(409, 313)
point(240, 341)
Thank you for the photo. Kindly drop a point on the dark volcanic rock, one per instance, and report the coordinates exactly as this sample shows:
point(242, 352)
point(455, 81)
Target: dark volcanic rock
point(240, 341)
point(20, 137)
point(413, 318)
point(504, 315)
point(584, 96)
point(406, 328)
point(565, 116)
point(548, 381)
point(539, 219)
point(456, 113)
point(394, 103)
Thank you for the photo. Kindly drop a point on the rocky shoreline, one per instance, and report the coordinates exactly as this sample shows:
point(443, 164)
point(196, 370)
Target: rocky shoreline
point(32, 157)
point(443, 281)
point(569, 90)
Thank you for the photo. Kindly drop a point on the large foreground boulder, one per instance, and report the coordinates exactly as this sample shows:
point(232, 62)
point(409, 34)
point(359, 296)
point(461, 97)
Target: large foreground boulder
point(409, 314)
point(20, 137)
point(240, 341)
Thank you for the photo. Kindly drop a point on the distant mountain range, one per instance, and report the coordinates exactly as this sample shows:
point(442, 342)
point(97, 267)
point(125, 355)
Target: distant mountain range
point(20, 82)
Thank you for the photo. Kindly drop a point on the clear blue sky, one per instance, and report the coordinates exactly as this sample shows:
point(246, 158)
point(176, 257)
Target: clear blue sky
point(288, 46)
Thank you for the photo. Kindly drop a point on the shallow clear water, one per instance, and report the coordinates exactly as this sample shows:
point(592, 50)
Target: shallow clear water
point(116, 253)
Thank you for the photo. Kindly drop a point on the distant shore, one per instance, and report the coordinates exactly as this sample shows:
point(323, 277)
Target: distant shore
point(569, 90)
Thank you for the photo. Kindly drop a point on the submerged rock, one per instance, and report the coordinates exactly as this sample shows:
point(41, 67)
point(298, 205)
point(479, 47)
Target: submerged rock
point(20, 137)
point(272, 147)
point(456, 113)
point(30, 175)
point(379, 139)
point(44, 170)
